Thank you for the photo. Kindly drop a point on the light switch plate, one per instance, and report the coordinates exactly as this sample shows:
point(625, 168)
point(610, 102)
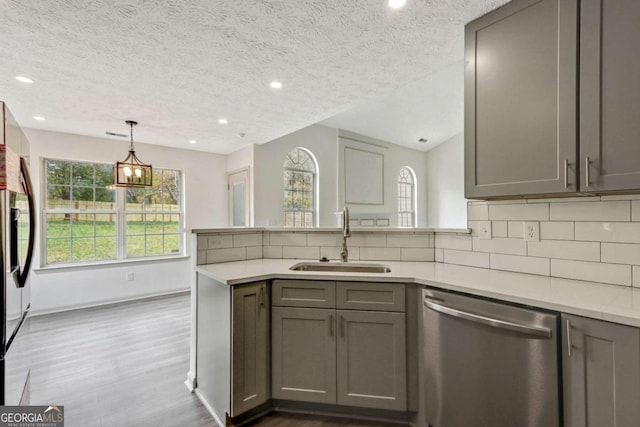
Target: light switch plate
point(484, 230)
point(532, 231)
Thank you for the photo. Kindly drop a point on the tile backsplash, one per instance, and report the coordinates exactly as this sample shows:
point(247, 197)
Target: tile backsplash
point(585, 238)
point(224, 246)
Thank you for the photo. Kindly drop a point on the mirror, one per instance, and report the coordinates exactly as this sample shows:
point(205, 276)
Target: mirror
point(306, 177)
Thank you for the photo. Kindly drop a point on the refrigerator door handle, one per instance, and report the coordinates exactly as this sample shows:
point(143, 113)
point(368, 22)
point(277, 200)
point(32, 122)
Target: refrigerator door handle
point(20, 275)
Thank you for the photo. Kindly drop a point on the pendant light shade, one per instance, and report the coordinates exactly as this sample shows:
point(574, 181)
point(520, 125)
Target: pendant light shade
point(131, 172)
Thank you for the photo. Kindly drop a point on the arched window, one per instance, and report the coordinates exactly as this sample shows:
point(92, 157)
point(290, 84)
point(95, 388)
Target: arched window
point(300, 182)
point(406, 198)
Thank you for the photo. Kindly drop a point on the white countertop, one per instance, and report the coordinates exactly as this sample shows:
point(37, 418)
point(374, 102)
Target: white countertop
point(599, 301)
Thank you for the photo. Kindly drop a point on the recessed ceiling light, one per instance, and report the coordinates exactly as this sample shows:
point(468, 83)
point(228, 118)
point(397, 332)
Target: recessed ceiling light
point(24, 79)
point(193, 141)
point(276, 85)
point(39, 118)
point(223, 121)
point(397, 4)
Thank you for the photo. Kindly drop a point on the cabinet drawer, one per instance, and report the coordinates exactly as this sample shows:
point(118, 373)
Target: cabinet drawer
point(370, 296)
point(304, 293)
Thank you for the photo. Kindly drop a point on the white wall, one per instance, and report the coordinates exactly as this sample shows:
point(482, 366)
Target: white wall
point(240, 159)
point(269, 159)
point(205, 201)
point(446, 205)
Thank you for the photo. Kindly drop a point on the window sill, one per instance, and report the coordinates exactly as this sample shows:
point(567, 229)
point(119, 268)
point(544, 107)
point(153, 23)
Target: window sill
point(107, 264)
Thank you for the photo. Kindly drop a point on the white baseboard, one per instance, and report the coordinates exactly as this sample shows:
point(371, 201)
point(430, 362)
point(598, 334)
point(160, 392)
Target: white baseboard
point(190, 381)
point(215, 416)
point(34, 312)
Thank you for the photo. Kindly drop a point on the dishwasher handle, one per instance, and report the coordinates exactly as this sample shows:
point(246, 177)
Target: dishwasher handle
point(496, 323)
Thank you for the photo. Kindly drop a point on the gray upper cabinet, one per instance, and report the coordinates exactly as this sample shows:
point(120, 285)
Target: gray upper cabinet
point(609, 95)
point(601, 365)
point(520, 100)
point(250, 385)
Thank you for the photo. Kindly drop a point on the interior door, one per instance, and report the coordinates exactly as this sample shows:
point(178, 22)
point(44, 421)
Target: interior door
point(239, 202)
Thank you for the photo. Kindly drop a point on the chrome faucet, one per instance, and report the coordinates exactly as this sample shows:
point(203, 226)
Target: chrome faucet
point(344, 253)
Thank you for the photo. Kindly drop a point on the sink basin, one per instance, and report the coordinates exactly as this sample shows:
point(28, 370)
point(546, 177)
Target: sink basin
point(341, 267)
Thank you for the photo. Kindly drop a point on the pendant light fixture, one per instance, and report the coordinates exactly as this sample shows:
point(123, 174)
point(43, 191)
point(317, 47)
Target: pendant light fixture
point(131, 172)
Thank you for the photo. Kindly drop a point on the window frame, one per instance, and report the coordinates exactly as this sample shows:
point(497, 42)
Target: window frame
point(120, 220)
point(314, 192)
point(413, 197)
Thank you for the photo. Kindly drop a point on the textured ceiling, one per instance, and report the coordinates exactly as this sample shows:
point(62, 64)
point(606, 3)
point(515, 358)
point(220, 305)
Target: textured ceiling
point(177, 66)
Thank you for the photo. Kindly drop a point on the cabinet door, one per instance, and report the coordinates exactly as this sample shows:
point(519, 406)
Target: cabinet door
point(304, 293)
point(609, 94)
point(370, 296)
point(520, 100)
point(601, 373)
point(304, 354)
point(250, 347)
point(372, 368)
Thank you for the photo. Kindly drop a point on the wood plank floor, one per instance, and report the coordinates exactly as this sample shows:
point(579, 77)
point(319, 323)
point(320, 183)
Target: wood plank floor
point(125, 365)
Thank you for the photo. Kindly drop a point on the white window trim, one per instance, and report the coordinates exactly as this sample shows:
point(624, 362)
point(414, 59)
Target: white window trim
point(414, 196)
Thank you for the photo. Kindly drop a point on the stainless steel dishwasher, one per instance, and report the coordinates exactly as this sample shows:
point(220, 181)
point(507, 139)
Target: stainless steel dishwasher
point(488, 364)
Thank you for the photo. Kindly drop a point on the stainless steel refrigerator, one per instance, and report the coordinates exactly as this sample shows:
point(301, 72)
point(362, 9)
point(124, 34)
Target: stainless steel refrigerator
point(17, 239)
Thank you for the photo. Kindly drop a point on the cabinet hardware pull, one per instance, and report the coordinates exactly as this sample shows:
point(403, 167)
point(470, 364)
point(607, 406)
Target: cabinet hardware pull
point(569, 337)
point(587, 161)
point(341, 325)
point(261, 296)
point(566, 173)
point(331, 325)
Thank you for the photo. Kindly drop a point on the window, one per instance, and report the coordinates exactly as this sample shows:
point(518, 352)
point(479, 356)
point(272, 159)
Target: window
point(406, 197)
point(87, 219)
point(300, 174)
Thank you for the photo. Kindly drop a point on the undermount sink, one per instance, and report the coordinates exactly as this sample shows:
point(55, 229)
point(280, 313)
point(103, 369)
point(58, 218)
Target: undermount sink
point(341, 267)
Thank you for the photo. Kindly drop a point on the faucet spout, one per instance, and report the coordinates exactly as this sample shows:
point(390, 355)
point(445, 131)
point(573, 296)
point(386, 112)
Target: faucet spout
point(346, 232)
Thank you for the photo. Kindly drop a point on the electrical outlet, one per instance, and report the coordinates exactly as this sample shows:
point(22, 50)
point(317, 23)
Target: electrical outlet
point(484, 230)
point(130, 276)
point(532, 231)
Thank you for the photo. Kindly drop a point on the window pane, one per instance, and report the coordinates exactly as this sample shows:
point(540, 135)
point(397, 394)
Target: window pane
point(105, 199)
point(105, 248)
point(58, 225)
point(172, 244)
point(82, 225)
point(135, 199)
point(58, 250)
point(104, 176)
point(58, 197)
point(154, 224)
point(58, 172)
point(135, 224)
point(154, 245)
point(135, 246)
point(83, 249)
point(106, 224)
point(82, 174)
point(172, 223)
point(82, 198)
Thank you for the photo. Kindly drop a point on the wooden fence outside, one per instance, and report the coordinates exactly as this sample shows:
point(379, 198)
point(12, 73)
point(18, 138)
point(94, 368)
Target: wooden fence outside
point(81, 206)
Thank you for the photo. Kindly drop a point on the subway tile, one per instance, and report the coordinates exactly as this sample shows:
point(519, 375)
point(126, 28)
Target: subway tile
point(477, 212)
point(635, 210)
point(500, 246)
point(202, 257)
point(380, 254)
point(432, 240)
point(468, 258)
point(439, 255)
point(475, 227)
point(247, 239)
point(325, 239)
point(616, 232)
point(333, 252)
point(265, 238)
point(616, 274)
point(368, 240)
point(499, 229)
point(254, 252)
point(621, 197)
point(272, 252)
point(636, 276)
point(404, 240)
point(220, 242)
point(515, 229)
point(565, 249)
point(447, 241)
point(589, 211)
point(288, 239)
point(416, 254)
point(621, 253)
point(516, 212)
point(520, 264)
point(203, 242)
point(301, 252)
point(556, 230)
point(225, 255)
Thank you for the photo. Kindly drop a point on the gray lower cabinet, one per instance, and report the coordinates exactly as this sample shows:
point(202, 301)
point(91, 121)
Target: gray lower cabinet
point(601, 365)
point(371, 368)
point(250, 386)
point(304, 354)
